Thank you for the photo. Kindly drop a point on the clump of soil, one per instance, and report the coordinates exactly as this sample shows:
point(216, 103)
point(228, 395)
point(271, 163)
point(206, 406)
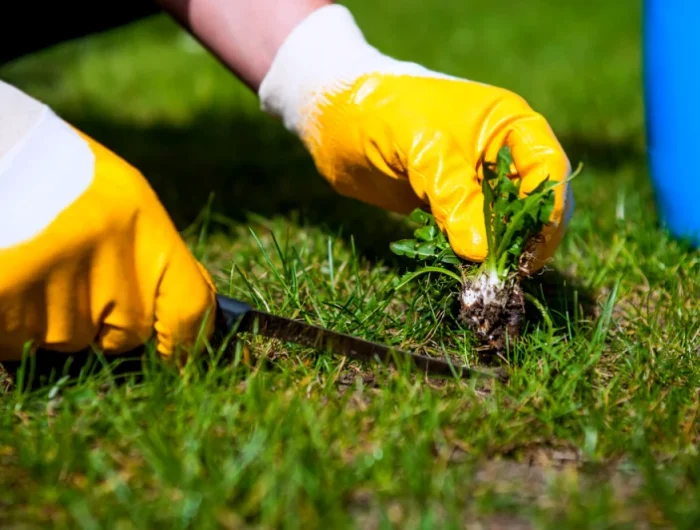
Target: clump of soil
point(492, 310)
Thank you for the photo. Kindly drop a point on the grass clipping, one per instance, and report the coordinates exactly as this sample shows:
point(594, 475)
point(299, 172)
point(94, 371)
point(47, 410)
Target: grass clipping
point(492, 302)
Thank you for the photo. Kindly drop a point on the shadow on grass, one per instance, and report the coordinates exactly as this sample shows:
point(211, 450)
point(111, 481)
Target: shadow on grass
point(251, 166)
point(604, 153)
point(46, 368)
point(567, 300)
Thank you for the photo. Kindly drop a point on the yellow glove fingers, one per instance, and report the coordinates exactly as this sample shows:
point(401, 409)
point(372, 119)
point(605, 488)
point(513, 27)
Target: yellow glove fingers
point(72, 292)
point(466, 229)
point(537, 155)
point(161, 285)
point(508, 120)
point(121, 284)
point(184, 306)
point(449, 182)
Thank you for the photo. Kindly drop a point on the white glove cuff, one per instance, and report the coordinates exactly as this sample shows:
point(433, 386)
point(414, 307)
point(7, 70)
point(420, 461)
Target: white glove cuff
point(325, 53)
point(44, 166)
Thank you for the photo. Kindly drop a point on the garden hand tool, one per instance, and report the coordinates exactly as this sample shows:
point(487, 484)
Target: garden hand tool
point(237, 316)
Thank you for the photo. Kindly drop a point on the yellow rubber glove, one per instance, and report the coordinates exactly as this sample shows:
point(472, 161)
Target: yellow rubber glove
point(397, 135)
point(88, 255)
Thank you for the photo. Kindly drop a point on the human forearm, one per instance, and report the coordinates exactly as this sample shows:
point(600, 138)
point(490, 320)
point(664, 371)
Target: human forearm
point(243, 34)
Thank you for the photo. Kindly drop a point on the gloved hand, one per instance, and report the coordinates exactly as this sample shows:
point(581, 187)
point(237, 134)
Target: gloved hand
point(397, 135)
point(88, 255)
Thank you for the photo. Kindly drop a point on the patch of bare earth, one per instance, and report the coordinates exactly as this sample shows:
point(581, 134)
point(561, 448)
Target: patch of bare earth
point(541, 479)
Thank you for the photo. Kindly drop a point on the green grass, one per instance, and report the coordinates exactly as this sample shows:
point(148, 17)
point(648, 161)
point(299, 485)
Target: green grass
point(597, 426)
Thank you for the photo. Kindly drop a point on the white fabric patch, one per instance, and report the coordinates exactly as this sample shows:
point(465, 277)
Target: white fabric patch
point(44, 166)
point(326, 52)
point(18, 115)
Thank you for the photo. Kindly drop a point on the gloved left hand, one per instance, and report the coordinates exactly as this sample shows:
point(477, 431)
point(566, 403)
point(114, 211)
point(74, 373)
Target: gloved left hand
point(397, 135)
point(88, 254)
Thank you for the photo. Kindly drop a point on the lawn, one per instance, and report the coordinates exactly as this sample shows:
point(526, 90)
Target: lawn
point(596, 426)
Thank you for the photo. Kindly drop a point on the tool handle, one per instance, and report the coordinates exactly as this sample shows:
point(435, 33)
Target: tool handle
point(230, 311)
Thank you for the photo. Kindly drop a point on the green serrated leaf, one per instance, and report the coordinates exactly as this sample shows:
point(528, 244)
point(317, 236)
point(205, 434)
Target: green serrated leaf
point(421, 217)
point(510, 220)
point(546, 212)
point(511, 187)
point(427, 250)
point(451, 260)
point(504, 160)
point(404, 247)
point(489, 200)
point(443, 243)
point(514, 207)
point(427, 233)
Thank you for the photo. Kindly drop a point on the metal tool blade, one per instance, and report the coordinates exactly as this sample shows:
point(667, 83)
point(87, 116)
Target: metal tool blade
point(246, 319)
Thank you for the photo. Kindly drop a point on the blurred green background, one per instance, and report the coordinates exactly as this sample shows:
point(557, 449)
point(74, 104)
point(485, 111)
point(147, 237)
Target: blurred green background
point(155, 96)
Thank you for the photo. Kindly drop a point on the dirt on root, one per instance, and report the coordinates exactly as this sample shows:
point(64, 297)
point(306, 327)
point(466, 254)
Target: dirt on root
point(6, 381)
point(494, 313)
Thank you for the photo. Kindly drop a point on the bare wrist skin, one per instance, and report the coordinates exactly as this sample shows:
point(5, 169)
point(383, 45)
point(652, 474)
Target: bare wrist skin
point(243, 34)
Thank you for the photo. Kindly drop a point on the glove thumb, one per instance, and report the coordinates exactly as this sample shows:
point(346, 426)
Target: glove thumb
point(185, 306)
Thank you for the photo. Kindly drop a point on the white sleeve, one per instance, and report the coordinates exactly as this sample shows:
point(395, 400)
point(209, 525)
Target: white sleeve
point(326, 52)
point(19, 113)
point(44, 166)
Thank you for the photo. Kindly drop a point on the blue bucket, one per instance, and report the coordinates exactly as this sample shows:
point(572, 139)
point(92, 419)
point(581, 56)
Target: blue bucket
point(672, 101)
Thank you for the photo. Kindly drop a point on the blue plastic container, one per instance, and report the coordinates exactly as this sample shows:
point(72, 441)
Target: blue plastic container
point(672, 100)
